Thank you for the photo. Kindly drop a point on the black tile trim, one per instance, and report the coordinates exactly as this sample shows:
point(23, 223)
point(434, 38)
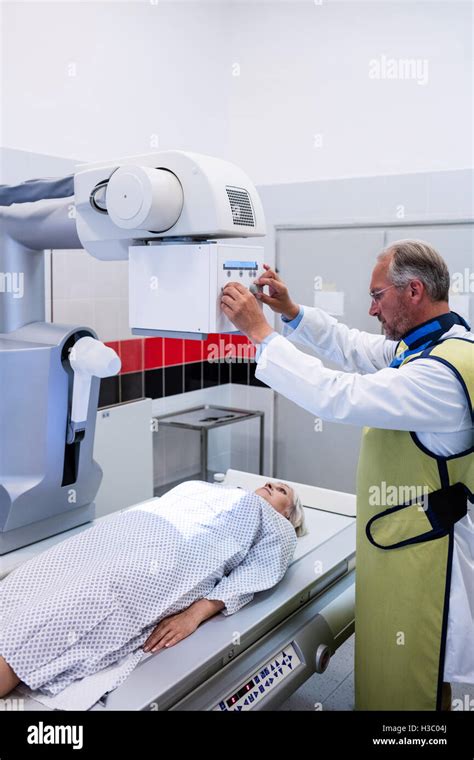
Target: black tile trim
point(174, 379)
point(193, 376)
point(239, 373)
point(154, 383)
point(210, 374)
point(252, 379)
point(131, 386)
point(109, 393)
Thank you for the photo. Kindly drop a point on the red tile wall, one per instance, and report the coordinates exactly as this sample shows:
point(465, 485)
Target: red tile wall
point(140, 354)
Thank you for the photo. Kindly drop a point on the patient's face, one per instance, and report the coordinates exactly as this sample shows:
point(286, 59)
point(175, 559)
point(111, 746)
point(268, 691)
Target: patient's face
point(279, 495)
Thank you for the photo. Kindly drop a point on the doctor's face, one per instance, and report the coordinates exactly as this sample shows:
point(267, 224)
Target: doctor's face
point(392, 306)
point(279, 495)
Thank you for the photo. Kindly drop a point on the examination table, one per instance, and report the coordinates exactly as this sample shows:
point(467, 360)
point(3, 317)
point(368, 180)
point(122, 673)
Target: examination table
point(254, 659)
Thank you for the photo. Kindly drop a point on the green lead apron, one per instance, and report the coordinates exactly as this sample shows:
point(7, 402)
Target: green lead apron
point(408, 501)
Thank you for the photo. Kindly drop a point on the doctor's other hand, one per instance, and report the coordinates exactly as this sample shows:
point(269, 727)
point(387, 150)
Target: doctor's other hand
point(172, 629)
point(241, 307)
point(278, 298)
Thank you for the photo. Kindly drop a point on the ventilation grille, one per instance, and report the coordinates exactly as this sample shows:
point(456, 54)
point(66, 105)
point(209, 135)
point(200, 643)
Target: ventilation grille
point(241, 206)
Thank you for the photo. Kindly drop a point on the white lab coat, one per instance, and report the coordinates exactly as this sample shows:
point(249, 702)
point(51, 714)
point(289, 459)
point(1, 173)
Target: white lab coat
point(416, 397)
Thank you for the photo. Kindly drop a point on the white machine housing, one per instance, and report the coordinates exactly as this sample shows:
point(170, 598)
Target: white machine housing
point(164, 205)
point(175, 288)
point(162, 211)
point(218, 201)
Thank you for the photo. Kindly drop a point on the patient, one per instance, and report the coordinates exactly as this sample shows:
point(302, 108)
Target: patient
point(142, 580)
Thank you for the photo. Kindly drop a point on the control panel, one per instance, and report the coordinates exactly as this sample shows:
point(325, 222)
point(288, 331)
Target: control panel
point(252, 691)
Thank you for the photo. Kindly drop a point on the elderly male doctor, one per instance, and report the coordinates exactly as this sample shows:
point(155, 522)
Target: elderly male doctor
point(413, 389)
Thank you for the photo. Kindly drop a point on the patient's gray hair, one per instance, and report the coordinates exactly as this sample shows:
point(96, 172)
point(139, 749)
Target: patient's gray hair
point(417, 260)
point(296, 517)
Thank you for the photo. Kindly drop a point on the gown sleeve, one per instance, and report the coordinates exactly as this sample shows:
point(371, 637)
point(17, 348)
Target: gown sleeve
point(264, 566)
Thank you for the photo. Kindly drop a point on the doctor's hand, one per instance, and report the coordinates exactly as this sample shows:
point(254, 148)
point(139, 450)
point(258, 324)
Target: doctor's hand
point(278, 298)
point(241, 307)
point(172, 629)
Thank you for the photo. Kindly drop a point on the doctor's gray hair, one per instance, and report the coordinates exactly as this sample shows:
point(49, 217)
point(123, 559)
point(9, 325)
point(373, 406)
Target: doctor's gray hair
point(297, 518)
point(417, 260)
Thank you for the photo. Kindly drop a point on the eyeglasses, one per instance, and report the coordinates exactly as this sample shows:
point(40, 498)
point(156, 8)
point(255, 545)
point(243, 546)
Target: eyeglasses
point(376, 295)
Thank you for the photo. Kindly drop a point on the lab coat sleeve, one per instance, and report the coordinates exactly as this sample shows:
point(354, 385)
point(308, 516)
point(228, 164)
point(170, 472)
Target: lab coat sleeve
point(263, 567)
point(351, 349)
point(416, 396)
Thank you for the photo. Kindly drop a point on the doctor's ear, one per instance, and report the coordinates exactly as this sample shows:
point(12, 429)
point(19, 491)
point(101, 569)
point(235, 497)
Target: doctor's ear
point(416, 288)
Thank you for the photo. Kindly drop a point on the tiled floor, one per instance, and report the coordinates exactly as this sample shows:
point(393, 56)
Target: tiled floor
point(334, 689)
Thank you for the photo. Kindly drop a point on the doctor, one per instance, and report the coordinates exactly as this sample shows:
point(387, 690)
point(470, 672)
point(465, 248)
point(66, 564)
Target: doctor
point(413, 389)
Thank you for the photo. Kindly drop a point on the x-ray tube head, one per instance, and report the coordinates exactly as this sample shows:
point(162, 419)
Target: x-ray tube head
point(142, 198)
point(169, 214)
point(161, 196)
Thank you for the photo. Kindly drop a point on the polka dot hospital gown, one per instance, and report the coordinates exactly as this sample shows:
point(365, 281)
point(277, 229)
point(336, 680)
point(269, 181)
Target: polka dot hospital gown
point(91, 600)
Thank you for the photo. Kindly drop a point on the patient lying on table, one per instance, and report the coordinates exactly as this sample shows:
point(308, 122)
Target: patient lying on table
point(142, 580)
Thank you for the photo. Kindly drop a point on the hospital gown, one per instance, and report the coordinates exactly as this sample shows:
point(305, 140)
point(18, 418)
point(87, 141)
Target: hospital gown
point(93, 599)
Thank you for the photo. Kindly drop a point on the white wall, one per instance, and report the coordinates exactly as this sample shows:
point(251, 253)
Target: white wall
point(92, 80)
point(90, 291)
point(95, 80)
point(305, 73)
